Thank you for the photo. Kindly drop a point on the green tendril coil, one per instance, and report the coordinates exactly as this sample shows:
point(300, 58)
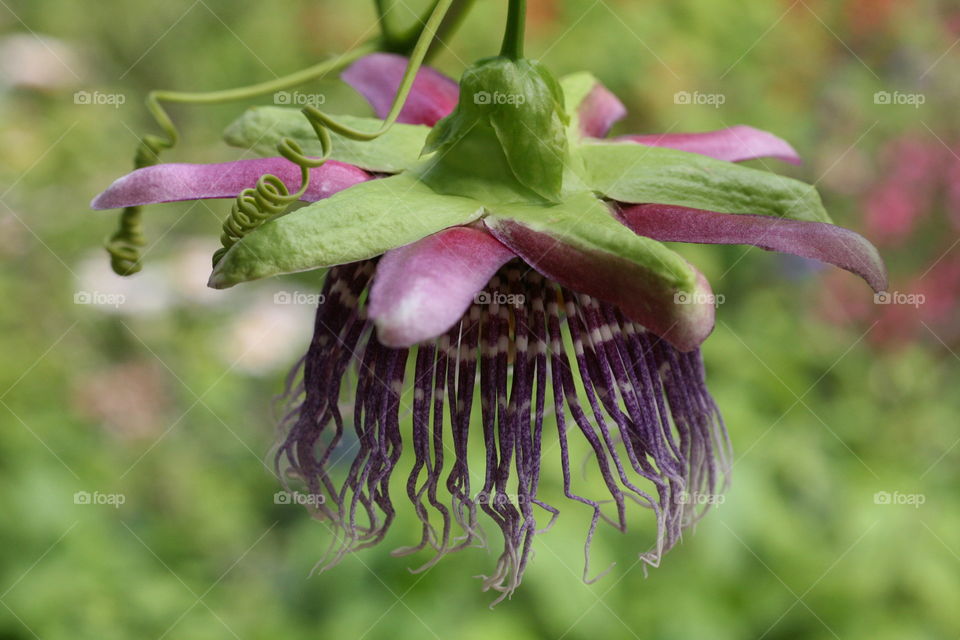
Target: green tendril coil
point(271, 196)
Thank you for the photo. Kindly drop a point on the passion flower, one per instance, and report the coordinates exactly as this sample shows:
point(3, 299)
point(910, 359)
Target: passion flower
point(492, 249)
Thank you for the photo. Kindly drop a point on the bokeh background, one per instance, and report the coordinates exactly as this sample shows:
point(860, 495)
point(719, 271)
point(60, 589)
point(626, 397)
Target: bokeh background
point(843, 520)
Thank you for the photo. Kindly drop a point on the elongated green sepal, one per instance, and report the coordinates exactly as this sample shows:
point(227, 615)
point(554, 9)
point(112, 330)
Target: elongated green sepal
point(633, 173)
point(475, 166)
point(261, 128)
point(359, 223)
point(581, 245)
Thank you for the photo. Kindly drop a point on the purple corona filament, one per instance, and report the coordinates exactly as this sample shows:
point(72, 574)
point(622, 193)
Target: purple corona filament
point(652, 428)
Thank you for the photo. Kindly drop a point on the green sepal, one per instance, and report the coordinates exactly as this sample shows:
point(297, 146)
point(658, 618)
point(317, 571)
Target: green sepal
point(586, 222)
point(629, 172)
point(457, 171)
point(262, 128)
point(358, 223)
point(521, 102)
point(580, 244)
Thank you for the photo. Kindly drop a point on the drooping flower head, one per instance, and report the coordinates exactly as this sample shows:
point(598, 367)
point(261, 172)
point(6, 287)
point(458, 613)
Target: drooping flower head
point(497, 279)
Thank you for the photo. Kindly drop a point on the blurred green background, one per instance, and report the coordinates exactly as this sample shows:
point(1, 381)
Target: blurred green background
point(163, 403)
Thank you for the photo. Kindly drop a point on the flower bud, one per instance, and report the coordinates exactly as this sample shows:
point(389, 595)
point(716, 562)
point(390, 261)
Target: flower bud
point(508, 129)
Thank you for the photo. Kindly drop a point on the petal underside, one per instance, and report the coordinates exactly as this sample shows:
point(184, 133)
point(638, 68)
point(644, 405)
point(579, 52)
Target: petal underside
point(815, 240)
point(423, 289)
point(377, 77)
point(734, 144)
point(582, 246)
point(592, 106)
point(178, 182)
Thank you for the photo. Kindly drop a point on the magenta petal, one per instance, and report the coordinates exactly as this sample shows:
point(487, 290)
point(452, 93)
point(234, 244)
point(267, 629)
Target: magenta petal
point(423, 289)
point(816, 240)
point(377, 77)
point(599, 111)
point(176, 182)
point(735, 144)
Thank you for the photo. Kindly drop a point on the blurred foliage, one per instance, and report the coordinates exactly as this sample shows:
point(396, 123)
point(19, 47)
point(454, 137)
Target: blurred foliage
point(166, 400)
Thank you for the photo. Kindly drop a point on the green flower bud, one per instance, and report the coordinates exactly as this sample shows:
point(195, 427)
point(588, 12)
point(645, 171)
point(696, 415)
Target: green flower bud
point(508, 129)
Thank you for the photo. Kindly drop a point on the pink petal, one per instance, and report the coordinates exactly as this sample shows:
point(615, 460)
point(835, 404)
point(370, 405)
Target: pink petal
point(816, 240)
point(642, 296)
point(377, 77)
point(421, 290)
point(599, 111)
point(176, 182)
point(735, 144)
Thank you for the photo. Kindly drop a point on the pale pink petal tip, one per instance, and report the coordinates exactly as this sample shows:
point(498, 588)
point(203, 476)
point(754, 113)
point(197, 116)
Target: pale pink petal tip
point(814, 240)
point(735, 144)
point(421, 290)
point(599, 111)
point(377, 77)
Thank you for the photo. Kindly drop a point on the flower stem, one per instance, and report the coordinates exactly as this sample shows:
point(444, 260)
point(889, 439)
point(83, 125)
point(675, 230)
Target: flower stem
point(443, 17)
point(384, 8)
point(155, 98)
point(513, 37)
point(417, 56)
point(451, 23)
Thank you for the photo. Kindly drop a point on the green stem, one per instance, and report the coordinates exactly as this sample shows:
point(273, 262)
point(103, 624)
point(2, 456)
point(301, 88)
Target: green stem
point(455, 17)
point(516, 23)
point(154, 99)
point(442, 19)
point(383, 16)
point(439, 21)
point(403, 43)
point(406, 84)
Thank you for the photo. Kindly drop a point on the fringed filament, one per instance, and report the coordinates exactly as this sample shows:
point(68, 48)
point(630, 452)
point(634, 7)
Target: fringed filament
point(652, 430)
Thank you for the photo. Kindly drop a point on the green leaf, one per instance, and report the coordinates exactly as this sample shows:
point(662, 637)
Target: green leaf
point(586, 222)
point(581, 245)
point(359, 223)
point(523, 104)
point(261, 128)
point(629, 172)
